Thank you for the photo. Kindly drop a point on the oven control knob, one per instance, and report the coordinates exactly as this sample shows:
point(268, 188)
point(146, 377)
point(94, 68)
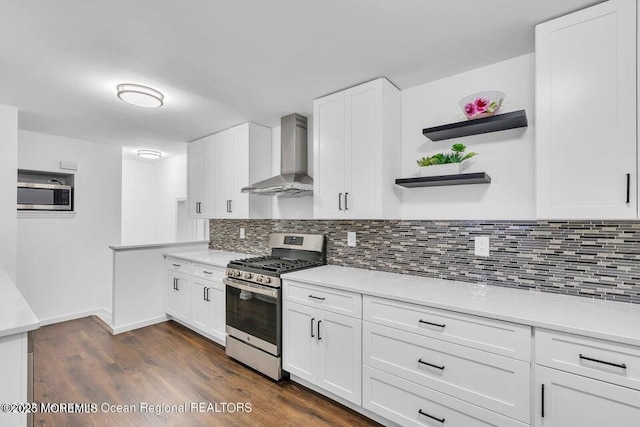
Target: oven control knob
point(236, 273)
point(248, 275)
point(267, 280)
point(259, 279)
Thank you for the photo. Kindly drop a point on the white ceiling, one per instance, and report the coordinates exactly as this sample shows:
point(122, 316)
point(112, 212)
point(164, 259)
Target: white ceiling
point(224, 62)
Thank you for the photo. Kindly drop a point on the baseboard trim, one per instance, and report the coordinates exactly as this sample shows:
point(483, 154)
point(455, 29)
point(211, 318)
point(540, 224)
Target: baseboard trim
point(137, 325)
point(102, 313)
point(343, 402)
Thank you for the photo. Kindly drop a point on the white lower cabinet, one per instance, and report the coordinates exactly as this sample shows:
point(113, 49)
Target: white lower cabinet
point(565, 399)
point(323, 348)
point(411, 355)
point(179, 298)
point(409, 404)
point(207, 307)
point(197, 297)
point(493, 382)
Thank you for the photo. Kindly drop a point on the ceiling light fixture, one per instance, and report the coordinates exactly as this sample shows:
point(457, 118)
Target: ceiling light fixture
point(149, 154)
point(139, 95)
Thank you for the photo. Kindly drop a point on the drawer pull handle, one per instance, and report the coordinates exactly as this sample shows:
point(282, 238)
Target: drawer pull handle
point(318, 298)
point(439, 325)
point(312, 319)
point(207, 272)
point(176, 265)
point(429, 364)
point(617, 365)
point(421, 412)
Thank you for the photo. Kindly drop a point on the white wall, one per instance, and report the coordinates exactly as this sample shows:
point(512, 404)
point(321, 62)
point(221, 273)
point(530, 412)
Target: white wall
point(295, 207)
point(65, 264)
point(508, 156)
point(150, 190)
point(8, 179)
point(139, 191)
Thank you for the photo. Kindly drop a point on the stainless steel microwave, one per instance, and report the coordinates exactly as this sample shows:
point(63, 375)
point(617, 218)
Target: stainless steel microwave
point(47, 197)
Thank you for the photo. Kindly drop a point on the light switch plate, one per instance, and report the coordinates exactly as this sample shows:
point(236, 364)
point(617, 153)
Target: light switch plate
point(351, 239)
point(482, 245)
point(242, 234)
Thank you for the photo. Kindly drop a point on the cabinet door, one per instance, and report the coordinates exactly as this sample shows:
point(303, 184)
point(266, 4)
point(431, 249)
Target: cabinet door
point(299, 340)
point(363, 153)
point(329, 156)
point(172, 295)
point(183, 299)
point(200, 307)
point(217, 310)
point(208, 205)
point(224, 172)
point(340, 355)
point(573, 400)
point(586, 114)
point(195, 168)
point(239, 206)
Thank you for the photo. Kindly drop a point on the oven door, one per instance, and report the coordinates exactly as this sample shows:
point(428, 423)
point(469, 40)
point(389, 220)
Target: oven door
point(254, 314)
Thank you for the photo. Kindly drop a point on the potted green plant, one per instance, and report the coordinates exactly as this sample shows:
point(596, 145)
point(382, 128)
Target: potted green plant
point(445, 163)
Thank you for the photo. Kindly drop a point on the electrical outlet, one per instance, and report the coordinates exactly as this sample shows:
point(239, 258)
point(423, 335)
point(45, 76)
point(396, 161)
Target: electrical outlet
point(351, 239)
point(242, 235)
point(482, 246)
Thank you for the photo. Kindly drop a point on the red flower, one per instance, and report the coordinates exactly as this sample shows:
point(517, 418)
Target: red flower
point(470, 109)
point(481, 104)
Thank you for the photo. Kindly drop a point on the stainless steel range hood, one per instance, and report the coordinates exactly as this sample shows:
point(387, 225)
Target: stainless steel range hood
point(293, 180)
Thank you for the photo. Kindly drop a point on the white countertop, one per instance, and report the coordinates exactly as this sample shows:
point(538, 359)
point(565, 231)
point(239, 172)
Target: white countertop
point(155, 245)
point(15, 314)
point(608, 320)
point(209, 257)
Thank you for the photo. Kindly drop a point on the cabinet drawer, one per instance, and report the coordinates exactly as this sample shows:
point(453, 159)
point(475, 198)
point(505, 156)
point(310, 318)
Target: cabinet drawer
point(494, 382)
point(178, 265)
point(208, 272)
point(410, 404)
point(507, 339)
point(334, 300)
point(603, 360)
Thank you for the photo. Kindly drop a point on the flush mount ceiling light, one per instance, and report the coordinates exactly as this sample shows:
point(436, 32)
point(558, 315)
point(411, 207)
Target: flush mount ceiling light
point(139, 95)
point(149, 154)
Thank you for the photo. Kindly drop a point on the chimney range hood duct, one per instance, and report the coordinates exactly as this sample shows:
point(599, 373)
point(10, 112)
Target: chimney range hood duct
point(293, 180)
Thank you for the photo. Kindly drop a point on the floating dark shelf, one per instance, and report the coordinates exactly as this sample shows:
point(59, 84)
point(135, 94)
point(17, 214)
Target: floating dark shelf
point(436, 181)
point(516, 119)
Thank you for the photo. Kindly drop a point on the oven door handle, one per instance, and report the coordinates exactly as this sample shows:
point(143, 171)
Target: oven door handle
point(270, 292)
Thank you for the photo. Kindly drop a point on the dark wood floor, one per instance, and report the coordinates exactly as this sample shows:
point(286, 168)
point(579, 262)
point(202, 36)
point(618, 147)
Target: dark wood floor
point(80, 362)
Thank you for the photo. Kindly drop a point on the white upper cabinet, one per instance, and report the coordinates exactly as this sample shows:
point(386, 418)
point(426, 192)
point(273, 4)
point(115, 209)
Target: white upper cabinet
point(220, 165)
point(586, 162)
point(357, 149)
point(200, 186)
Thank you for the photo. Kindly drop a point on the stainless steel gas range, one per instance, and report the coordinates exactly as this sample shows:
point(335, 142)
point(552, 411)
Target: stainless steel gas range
point(254, 299)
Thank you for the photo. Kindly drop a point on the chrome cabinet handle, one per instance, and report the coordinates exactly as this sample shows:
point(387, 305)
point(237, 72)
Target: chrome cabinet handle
point(174, 283)
point(340, 201)
point(421, 412)
point(346, 201)
point(439, 325)
point(207, 272)
point(617, 365)
point(429, 364)
point(176, 265)
point(318, 298)
point(319, 337)
point(542, 402)
point(177, 284)
point(312, 319)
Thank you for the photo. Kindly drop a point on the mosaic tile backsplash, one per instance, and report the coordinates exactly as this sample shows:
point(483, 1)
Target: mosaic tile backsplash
point(598, 259)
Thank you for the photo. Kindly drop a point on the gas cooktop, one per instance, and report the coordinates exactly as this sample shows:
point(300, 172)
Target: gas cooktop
point(273, 264)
